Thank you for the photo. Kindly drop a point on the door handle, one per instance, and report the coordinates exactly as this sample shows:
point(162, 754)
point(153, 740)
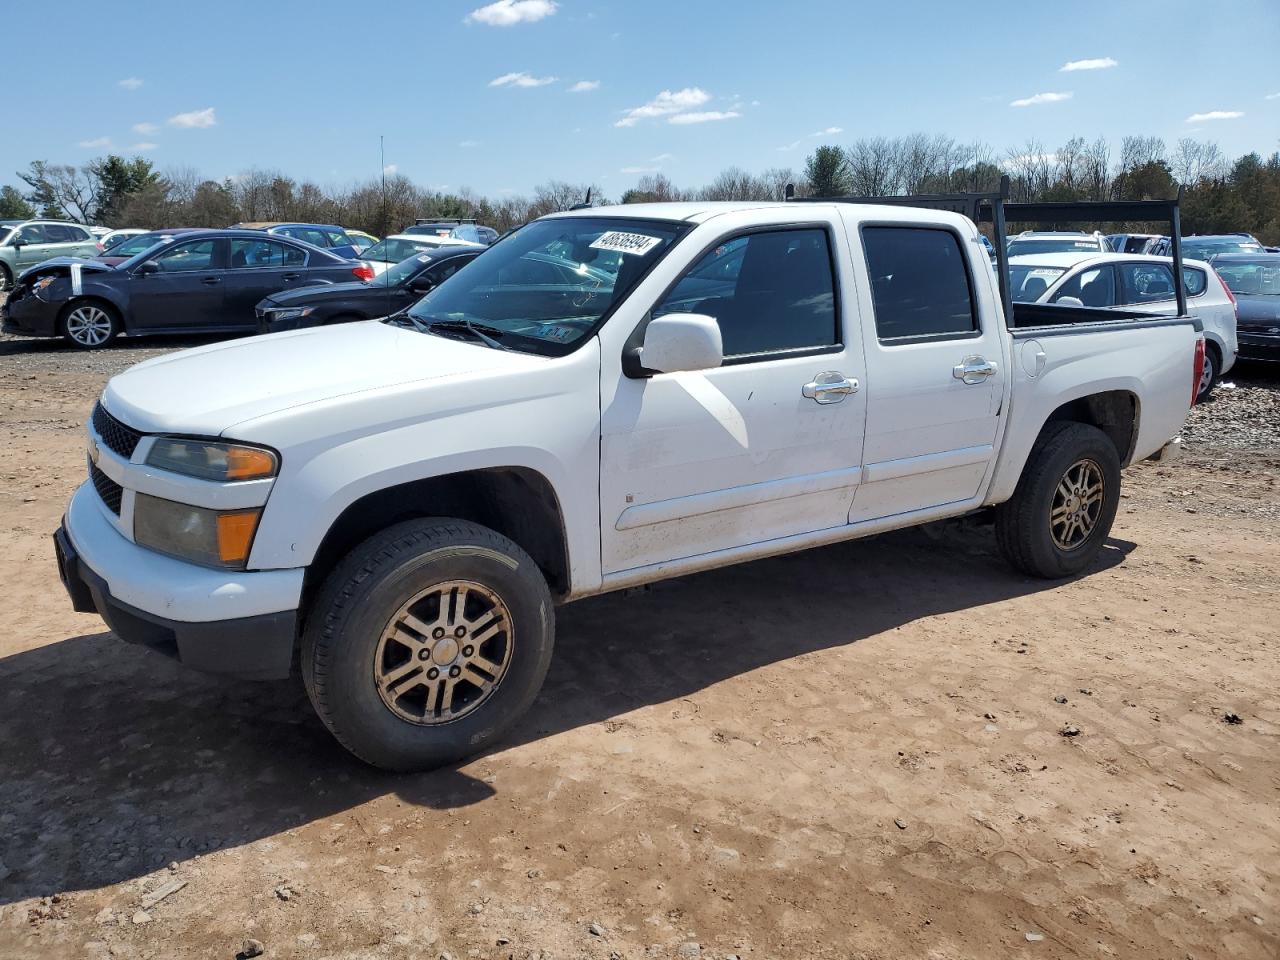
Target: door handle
point(829, 387)
point(210, 281)
point(974, 370)
point(290, 276)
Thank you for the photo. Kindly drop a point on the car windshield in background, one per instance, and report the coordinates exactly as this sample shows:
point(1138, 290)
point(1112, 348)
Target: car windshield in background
point(395, 275)
point(132, 246)
point(394, 251)
point(1251, 278)
point(1027, 284)
point(1193, 250)
point(547, 287)
point(1020, 248)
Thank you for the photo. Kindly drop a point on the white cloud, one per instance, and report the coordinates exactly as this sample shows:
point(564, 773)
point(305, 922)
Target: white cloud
point(195, 118)
point(704, 117)
point(665, 104)
point(390, 169)
point(507, 13)
point(1099, 63)
point(143, 147)
point(520, 80)
point(1272, 96)
point(828, 132)
point(1041, 98)
point(639, 169)
point(790, 146)
point(585, 86)
point(469, 143)
point(662, 158)
point(1215, 115)
point(145, 128)
point(98, 143)
point(130, 83)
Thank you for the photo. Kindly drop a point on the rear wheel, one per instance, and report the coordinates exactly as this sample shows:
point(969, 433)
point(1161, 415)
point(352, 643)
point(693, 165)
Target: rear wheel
point(89, 324)
point(1209, 373)
point(6, 278)
point(427, 643)
point(1061, 513)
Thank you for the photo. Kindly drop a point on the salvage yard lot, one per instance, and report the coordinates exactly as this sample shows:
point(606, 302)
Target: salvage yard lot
point(857, 751)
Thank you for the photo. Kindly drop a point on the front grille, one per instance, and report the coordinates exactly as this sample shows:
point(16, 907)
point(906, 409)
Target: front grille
point(108, 489)
point(123, 440)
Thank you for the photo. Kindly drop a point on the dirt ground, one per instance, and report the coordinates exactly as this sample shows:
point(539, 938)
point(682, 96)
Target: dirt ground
point(855, 752)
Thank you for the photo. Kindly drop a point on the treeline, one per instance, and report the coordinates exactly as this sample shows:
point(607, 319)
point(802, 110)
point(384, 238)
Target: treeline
point(1223, 195)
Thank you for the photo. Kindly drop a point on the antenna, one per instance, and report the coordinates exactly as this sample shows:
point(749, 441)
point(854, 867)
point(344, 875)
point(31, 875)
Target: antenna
point(585, 204)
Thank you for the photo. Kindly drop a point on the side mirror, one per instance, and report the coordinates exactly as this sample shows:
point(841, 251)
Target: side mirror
point(422, 285)
point(146, 268)
point(1069, 302)
point(682, 341)
point(17, 242)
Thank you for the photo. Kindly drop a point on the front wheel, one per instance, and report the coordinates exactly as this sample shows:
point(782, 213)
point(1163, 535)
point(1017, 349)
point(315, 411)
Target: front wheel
point(90, 325)
point(6, 278)
point(427, 643)
point(1062, 510)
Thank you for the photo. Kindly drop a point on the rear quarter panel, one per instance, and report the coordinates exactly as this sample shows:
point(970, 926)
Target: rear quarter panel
point(1153, 363)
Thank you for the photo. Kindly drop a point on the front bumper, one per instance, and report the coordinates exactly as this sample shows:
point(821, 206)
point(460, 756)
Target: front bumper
point(1258, 346)
point(236, 623)
point(28, 315)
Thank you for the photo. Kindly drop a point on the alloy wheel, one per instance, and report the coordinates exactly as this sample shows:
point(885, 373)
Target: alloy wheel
point(1077, 504)
point(444, 652)
point(89, 326)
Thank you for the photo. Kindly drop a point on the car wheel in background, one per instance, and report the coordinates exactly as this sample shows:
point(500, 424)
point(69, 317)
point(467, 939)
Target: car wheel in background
point(6, 278)
point(427, 643)
point(89, 324)
point(1061, 512)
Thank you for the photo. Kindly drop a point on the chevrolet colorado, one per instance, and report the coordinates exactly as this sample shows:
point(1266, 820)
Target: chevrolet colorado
point(605, 398)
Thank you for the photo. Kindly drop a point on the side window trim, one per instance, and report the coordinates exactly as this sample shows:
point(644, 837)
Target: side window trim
point(784, 353)
point(976, 333)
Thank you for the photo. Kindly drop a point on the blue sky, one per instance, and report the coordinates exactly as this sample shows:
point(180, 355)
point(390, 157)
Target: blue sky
point(308, 88)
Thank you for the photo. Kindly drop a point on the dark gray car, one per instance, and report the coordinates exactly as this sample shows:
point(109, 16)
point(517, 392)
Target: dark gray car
point(203, 281)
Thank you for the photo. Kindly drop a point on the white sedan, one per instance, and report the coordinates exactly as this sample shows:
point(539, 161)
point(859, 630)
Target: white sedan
point(391, 250)
point(1107, 280)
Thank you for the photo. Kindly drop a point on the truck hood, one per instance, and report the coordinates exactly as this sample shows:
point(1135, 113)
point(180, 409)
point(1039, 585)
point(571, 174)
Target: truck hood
point(208, 390)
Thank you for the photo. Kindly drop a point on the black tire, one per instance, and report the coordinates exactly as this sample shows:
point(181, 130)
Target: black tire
point(6, 278)
point(78, 334)
point(1212, 372)
point(1024, 531)
point(343, 646)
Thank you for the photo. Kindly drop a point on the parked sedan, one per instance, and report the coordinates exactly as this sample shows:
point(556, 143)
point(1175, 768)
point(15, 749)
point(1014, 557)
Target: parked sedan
point(1128, 281)
point(326, 236)
point(392, 290)
point(202, 281)
point(1255, 281)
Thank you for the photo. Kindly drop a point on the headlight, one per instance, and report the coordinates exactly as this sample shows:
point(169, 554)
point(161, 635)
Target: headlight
point(288, 313)
point(210, 460)
point(214, 538)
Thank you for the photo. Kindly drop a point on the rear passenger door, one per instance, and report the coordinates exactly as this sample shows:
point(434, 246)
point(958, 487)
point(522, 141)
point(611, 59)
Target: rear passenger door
point(934, 339)
point(256, 268)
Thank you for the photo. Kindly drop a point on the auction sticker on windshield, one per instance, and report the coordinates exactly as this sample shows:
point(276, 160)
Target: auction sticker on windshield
point(637, 244)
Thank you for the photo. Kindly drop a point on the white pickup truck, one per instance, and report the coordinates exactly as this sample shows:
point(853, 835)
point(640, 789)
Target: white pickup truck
point(605, 398)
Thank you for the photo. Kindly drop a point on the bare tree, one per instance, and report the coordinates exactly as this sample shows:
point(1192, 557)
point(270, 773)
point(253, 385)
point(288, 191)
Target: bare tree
point(1195, 161)
point(873, 165)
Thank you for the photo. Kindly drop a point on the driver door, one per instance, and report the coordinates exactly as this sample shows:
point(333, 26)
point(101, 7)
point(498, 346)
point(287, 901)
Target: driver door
point(187, 292)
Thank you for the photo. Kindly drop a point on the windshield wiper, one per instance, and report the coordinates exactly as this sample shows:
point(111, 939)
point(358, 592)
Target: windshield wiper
point(482, 332)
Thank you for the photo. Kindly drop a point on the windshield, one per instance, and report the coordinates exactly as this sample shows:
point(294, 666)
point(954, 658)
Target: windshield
point(132, 246)
point(1251, 278)
point(547, 287)
point(1019, 248)
point(1203, 250)
point(1027, 283)
point(394, 250)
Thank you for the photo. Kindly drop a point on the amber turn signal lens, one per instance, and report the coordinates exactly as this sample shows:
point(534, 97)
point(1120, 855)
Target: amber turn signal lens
point(246, 463)
point(235, 533)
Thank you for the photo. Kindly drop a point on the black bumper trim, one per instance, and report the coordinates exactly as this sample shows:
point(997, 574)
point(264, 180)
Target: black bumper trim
point(250, 648)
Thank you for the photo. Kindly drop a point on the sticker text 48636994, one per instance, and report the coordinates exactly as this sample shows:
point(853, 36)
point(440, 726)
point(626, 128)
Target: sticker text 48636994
point(636, 244)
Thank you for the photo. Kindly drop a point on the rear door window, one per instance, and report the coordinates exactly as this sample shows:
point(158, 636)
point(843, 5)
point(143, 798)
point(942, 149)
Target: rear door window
point(1094, 287)
point(1145, 283)
point(263, 253)
point(920, 283)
